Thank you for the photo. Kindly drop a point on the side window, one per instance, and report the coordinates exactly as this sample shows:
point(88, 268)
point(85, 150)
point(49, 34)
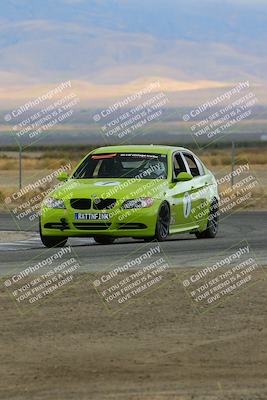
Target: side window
point(178, 164)
point(192, 164)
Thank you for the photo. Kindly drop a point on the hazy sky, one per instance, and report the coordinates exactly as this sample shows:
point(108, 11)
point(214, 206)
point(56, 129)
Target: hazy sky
point(114, 42)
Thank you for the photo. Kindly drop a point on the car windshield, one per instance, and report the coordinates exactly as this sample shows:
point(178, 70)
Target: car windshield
point(123, 165)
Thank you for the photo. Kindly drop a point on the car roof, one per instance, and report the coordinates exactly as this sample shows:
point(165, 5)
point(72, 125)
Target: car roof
point(152, 148)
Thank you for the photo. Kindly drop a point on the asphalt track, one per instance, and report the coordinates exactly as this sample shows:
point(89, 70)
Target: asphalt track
point(181, 250)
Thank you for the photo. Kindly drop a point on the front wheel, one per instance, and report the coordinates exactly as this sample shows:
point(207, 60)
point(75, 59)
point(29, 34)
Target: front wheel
point(163, 223)
point(104, 239)
point(52, 241)
point(213, 223)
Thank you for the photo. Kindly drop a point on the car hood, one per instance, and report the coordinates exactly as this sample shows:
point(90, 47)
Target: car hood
point(111, 188)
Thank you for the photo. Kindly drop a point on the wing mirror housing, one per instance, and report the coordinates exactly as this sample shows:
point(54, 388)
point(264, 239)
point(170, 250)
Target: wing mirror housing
point(183, 177)
point(63, 176)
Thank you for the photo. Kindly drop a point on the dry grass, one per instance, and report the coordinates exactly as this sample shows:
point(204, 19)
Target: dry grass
point(33, 164)
point(48, 160)
point(36, 163)
point(255, 156)
point(30, 200)
point(258, 199)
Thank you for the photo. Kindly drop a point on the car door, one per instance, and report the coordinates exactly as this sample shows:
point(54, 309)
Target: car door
point(179, 197)
point(198, 188)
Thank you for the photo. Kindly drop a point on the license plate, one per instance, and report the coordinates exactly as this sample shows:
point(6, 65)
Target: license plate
point(91, 216)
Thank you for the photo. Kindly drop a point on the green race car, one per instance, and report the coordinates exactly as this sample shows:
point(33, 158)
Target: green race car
point(140, 191)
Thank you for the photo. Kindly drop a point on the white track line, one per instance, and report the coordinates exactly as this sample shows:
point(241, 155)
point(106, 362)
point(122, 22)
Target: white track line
point(31, 243)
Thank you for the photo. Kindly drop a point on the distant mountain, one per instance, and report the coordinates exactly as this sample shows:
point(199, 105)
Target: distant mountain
point(104, 42)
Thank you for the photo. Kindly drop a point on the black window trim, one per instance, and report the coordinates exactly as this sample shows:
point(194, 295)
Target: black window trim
point(200, 165)
point(184, 160)
point(197, 161)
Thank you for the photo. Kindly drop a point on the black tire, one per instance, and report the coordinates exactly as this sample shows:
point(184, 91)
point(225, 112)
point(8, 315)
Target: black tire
point(163, 222)
point(148, 239)
point(52, 241)
point(104, 239)
point(213, 223)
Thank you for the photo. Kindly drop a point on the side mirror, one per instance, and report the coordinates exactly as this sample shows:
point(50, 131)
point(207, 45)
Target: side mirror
point(63, 176)
point(183, 177)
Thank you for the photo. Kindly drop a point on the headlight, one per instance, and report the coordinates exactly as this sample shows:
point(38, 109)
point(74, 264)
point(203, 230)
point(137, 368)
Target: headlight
point(50, 202)
point(143, 202)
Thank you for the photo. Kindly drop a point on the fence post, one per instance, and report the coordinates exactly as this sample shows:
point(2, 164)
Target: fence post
point(20, 166)
point(233, 163)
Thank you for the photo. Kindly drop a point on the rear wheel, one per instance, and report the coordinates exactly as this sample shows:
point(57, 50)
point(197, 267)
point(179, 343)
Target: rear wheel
point(104, 239)
point(213, 223)
point(52, 241)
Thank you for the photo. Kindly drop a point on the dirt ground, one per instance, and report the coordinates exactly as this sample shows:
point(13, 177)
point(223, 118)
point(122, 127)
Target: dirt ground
point(158, 347)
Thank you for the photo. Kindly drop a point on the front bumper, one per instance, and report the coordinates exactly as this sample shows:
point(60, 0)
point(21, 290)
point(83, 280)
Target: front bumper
point(122, 223)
